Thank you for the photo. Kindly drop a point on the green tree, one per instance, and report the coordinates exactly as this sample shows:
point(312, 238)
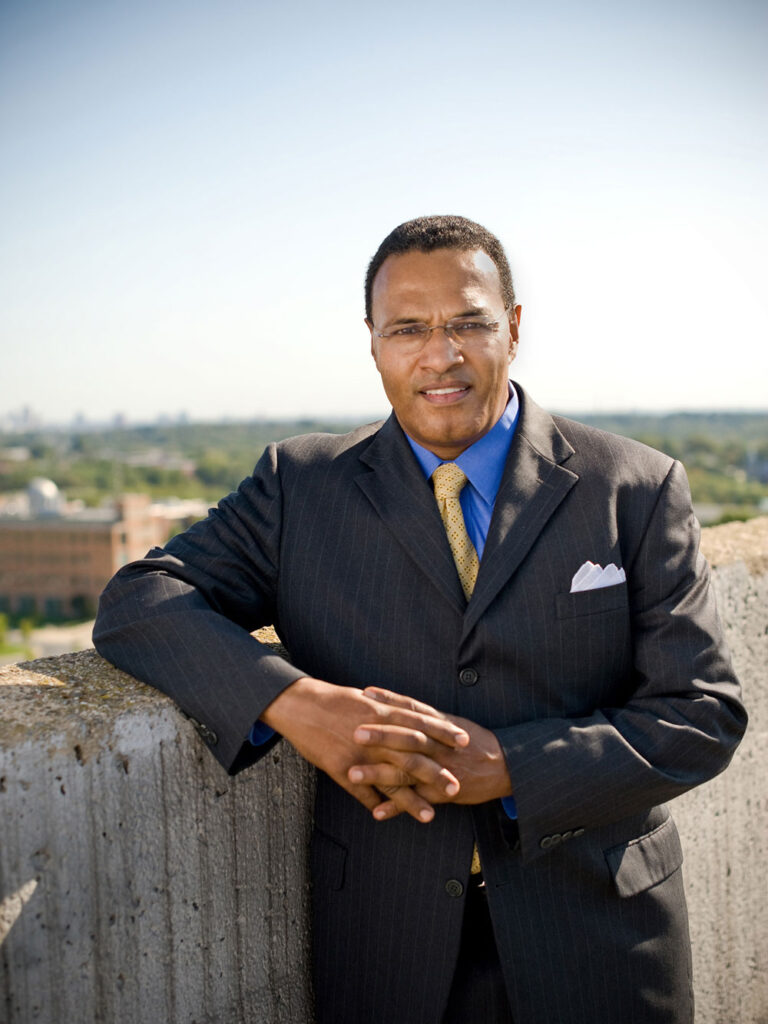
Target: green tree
point(26, 626)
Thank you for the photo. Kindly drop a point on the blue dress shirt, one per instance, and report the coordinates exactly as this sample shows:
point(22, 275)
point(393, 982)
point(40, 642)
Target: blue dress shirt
point(483, 465)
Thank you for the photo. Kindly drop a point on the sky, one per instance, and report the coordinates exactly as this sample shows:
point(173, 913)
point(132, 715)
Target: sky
point(190, 193)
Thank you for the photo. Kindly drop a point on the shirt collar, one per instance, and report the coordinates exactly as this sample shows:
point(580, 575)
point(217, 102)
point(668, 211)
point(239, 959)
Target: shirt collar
point(483, 462)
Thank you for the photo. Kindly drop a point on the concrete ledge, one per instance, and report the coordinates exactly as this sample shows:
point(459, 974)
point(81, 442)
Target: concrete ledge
point(139, 882)
point(724, 825)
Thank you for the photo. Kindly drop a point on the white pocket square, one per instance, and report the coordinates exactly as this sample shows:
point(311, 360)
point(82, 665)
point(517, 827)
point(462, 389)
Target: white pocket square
point(593, 577)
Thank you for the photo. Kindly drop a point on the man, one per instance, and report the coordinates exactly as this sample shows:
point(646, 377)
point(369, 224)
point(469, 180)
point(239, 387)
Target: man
point(472, 700)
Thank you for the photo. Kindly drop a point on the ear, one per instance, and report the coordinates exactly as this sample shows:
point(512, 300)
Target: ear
point(514, 331)
point(374, 353)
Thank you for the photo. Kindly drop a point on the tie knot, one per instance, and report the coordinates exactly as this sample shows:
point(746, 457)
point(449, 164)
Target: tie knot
point(448, 480)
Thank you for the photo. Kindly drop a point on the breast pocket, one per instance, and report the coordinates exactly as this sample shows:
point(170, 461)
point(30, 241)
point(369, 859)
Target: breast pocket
point(590, 649)
point(592, 602)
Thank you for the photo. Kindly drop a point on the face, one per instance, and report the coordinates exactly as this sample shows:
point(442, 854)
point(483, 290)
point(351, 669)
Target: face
point(446, 395)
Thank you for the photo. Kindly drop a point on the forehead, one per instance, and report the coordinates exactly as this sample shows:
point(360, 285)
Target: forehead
point(444, 281)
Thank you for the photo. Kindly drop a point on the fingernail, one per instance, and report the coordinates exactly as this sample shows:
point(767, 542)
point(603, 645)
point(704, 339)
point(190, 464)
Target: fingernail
point(363, 735)
point(355, 775)
point(462, 739)
point(452, 788)
point(379, 813)
point(426, 815)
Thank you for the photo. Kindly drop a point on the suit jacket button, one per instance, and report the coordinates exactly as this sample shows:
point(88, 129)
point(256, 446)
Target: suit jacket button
point(556, 838)
point(204, 732)
point(467, 677)
point(546, 842)
point(454, 888)
point(578, 832)
point(567, 834)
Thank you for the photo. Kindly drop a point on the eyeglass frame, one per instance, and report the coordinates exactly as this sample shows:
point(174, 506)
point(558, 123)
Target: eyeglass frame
point(448, 327)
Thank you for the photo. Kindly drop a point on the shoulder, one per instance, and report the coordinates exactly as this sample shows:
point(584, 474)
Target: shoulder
point(308, 465)
point(306, 458)
point(612, 455)
point(629, 481)
point(588, 451)
point(316, 450)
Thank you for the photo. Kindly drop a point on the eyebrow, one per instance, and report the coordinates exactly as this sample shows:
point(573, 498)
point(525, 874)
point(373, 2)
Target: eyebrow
point(474, 311)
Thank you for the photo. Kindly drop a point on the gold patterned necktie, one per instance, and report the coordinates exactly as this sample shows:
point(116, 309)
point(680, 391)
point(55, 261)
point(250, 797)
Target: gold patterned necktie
point(448, 481)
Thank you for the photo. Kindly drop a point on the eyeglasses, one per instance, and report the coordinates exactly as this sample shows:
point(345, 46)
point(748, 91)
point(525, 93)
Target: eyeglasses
point(461, 331)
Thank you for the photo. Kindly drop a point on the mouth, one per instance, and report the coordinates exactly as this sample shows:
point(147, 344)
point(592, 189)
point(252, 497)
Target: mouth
point(446, 394)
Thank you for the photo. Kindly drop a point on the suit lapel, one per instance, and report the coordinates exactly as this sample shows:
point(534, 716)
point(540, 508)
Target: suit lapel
point(403, 499)
point(533, 485)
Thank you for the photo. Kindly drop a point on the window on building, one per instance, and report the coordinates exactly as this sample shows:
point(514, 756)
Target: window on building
point(26, 605)
point(83, 607)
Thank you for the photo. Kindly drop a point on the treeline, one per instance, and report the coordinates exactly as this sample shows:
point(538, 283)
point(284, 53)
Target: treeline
point(185, 460)
point(725, 454)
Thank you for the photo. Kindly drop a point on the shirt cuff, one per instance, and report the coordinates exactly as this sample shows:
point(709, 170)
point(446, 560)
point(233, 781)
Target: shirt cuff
point(260, 733)
point(507, 802)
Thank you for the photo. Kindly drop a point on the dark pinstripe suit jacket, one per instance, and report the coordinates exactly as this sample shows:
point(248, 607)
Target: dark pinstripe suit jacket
point(607, 704)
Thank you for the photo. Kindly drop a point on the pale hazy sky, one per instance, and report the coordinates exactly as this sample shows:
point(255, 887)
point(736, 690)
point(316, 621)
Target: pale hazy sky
point(190, 192)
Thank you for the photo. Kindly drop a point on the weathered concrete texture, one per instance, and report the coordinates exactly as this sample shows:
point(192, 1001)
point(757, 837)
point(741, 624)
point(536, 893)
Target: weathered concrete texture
point(139, 882)
point(724, 825)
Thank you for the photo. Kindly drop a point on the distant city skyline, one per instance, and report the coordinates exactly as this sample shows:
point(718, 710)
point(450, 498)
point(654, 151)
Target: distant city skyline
point(190, 196)
point(11, 424)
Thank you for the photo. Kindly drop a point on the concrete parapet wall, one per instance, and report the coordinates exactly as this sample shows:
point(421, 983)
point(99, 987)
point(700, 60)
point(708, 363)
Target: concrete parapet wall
point(139, 882)
point(724, 825)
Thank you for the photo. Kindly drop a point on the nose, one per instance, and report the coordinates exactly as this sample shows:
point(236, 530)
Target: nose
point(440, 351)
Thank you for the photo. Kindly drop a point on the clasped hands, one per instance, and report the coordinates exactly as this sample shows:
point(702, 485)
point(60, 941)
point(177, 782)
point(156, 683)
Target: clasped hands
point(392, 753)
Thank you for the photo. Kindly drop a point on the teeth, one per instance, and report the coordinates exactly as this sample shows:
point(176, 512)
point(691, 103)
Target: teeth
point(444, 391)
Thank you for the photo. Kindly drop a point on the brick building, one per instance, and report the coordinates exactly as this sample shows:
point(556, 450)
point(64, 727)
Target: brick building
point(55, 560)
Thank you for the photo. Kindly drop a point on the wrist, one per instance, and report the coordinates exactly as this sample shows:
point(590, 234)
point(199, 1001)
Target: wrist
point(502, 783)
point(282, 710)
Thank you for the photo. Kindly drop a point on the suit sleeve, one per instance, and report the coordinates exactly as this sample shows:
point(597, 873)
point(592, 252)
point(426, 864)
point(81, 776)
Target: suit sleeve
point(676, 728)
point(180, 619)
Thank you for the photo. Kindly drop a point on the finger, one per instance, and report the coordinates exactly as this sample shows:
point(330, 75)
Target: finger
point(394, 737)
point(384, 777)
point(385, 810)
point(437, 724)
point(404, 800)
point(399, 700)
point(413, 771)
point(388, 790)
point(441, 729)
point(364, 794)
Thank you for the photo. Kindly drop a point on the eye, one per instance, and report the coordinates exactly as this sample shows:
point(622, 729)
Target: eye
point(409, 331)
point(471, 326)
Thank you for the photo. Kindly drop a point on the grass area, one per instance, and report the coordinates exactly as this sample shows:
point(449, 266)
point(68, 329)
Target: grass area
point(16, 649)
